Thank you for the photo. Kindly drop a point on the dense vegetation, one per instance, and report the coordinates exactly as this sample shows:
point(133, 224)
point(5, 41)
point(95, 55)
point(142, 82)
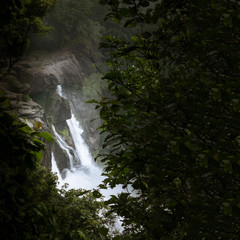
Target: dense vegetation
point(173, 118)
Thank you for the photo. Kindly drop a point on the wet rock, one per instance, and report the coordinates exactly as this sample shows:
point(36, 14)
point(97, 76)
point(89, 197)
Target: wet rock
point(39, 79)
point(61, 157)
point(60, 110)
point(48, 72)
point(36, 78)
point(89, 119)
point(23, 88)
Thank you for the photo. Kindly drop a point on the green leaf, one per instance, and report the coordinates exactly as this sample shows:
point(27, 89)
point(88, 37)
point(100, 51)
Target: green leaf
point(102, 186)
point(46, 136)
point(92, 101)
point(38, 155)
point(26, 129)
point(103, 231)
point(96, 194)
point(38, 125)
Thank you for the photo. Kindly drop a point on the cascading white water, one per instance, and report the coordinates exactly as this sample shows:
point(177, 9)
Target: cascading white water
point(64, 146)
point(88, 176)
point(85, 174)
point(59, 90)
point(56, 171)
point(80, 146)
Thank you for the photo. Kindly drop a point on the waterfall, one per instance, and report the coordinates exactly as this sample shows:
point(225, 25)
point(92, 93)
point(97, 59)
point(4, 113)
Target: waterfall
point(56, 171)
point(59, 90)
point(85, 173)
point(64, 146)
point(80, 146)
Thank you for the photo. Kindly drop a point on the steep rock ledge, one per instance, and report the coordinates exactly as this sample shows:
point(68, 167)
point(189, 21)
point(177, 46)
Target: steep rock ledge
point(32, 86)
point(46, 72)
point(30, 113)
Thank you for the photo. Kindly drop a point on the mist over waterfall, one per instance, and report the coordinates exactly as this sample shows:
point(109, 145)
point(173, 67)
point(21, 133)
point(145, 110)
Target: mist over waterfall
point(83, 171)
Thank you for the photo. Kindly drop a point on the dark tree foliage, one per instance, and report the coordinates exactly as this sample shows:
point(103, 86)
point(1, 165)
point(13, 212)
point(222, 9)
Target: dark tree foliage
point(21, 151)
point(18, 18)
point(172, 122)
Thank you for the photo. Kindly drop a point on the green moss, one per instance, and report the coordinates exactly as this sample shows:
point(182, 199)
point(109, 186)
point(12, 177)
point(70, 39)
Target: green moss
point(64, 132)
point(26, 98)
point(50, 119)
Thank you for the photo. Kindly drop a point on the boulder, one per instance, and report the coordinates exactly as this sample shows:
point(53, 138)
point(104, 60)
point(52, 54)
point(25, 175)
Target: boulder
point(23, 88)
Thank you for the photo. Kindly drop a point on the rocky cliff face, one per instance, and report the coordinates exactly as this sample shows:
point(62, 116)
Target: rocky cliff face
point(45, 73)
point(31, 86)
point(30, 112)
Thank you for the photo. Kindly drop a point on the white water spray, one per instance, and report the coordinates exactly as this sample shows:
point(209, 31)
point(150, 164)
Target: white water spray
point(64, 146)
point(84, 174)
point(59, 90)
point(80, 146)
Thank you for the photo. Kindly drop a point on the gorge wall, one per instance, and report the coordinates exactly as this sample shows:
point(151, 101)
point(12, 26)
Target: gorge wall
point(32, 86)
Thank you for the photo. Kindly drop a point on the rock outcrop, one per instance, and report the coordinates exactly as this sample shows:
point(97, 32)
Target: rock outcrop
point(32, 89)
point(30, 113)
point(47, 72)
point(60, 112)
point(61, 158)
